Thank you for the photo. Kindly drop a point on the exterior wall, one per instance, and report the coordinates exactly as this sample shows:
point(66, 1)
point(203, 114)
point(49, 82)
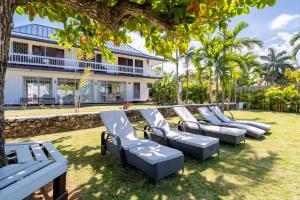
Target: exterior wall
point(13, 90)
point(20, 127)
point(14, 79)
point(14, 84)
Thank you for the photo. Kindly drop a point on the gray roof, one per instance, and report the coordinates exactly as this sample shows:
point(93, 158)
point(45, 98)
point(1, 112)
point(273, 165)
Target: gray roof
point(42, 33)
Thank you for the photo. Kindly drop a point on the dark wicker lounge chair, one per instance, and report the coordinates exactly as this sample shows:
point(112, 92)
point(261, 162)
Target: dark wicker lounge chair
point(190, 124)
point(224, 118)
point(214, 120)
point(197, 146)
point(156, 160)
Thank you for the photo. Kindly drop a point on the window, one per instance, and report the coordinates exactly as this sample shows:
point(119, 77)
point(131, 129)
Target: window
point(47, 51)
point(37, 89)
point(125, 62)
point(111, 92)
point(149, 86)
point(66, 90)
point(19, 47)
point(98, 58)
point(36, 50)
point(139, 64)
point(136, 90)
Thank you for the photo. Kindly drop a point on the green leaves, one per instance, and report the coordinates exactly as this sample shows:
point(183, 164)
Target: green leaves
point(20, 10)
point(188, 19)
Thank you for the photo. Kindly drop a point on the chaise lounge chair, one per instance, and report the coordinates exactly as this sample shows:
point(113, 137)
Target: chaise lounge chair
point(198, 146)
point(120, 140)
point(224, 118)
point(190, 124)
point(212, 119)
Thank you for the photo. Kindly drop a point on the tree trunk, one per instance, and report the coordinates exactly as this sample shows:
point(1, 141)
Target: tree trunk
point(223, 97)
point(7, 9)
point(210, 88)
point(217, 91)
point(187, 82)
point(234, 90)
point(177, 75)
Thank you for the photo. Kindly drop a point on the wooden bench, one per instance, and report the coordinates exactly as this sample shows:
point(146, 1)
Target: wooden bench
point(34, 165)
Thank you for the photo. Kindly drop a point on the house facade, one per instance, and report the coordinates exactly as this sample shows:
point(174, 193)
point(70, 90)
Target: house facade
point(42, 72)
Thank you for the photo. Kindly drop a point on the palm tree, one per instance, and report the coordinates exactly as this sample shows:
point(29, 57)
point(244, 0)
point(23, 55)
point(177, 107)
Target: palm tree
point(275, 65)
point(234, 44)
point(187, 56)
point(296, 45)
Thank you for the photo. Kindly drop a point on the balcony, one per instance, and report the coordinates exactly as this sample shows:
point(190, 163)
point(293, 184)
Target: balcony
point(51, 63)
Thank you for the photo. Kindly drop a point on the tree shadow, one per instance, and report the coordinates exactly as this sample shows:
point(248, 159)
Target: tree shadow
point(108, 181)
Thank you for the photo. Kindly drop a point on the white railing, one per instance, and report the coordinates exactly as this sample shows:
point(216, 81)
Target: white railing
point(71, 64)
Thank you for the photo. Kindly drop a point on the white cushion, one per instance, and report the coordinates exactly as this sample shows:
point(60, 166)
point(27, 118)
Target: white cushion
point(154, 153)
point(209, 116)
point(216, 110)
point(117, 123)
point(223, 130)
point(185, 115)
point(251, 129)
point(256, 124)
point(155, 118)
point(192, 139)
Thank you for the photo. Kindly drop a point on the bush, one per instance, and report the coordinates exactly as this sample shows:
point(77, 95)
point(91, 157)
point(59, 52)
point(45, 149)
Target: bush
point(198, 93)
point(273, 96)
point(165, 91)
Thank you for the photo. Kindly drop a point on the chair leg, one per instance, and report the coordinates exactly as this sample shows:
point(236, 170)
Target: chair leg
point(59, 188)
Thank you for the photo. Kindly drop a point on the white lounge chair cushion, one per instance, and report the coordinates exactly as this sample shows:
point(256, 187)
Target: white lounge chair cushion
point(156, 119)
point(224, 118)
point(154, 153)
point(256, 124)
point(223, 130)
point(192, 139)
point(251, 129)
point(209, 116)
point(185, 115)
point(117, 123)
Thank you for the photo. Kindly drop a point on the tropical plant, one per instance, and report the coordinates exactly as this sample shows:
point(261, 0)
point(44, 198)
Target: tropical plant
point(81, 86)
point(275, 64)
point(198, 92)
point(187, 56)
point(293, 76)
point(221, 52)
point(165, 91)
point(165, 25)
point(296, 46)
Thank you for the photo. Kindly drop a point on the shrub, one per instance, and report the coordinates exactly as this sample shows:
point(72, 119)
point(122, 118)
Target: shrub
point(165, 91)
point(198, 93)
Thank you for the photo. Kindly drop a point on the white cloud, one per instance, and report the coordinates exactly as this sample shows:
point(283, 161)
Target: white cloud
point(283, 20)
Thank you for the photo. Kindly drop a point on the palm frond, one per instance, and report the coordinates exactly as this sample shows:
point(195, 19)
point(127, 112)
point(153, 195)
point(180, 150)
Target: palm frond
point(295, 38)
point(295, 50)
point(238, 28)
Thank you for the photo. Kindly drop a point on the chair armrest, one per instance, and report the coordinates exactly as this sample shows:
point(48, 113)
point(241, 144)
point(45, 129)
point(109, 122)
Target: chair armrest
point(197, 123)
point(163, 132)
point(147, 134)
point(119, 144)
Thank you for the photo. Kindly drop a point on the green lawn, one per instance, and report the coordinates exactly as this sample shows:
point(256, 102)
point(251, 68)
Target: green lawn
point(66, 110)
point(260, 169)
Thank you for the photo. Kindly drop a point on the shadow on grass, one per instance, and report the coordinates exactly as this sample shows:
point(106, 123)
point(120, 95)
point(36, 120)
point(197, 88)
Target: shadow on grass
point(109, 181)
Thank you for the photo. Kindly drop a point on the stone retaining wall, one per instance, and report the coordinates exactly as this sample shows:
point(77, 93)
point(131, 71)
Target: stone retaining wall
point(29, 126)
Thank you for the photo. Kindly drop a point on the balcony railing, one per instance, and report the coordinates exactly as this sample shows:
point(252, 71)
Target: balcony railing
point(71, 64)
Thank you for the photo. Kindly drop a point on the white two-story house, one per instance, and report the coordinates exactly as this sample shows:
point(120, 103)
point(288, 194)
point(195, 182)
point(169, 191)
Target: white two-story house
point(42, 72)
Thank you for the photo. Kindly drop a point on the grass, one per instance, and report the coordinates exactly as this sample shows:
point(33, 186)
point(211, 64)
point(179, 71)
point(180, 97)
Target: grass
point(66, 110)
point(260, 169)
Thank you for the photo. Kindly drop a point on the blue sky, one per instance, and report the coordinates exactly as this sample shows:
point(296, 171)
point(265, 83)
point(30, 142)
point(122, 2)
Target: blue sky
point(273, 25)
